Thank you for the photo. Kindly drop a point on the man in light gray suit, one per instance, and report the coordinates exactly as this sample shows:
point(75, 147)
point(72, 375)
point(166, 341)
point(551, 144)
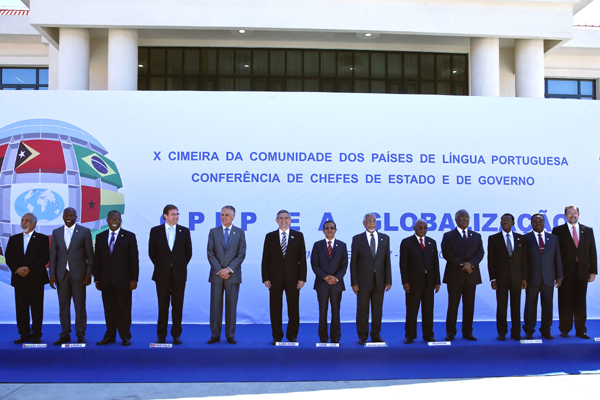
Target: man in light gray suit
point(71, 263)
point(226, 251)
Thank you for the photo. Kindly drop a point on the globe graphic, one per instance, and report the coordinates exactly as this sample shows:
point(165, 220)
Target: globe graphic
point(46, 166)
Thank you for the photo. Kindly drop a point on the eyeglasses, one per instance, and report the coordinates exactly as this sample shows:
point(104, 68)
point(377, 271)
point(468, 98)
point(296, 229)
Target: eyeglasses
point(329, 228)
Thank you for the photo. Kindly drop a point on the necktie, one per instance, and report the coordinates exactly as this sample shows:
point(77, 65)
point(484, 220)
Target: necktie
point(111, 245)
point(68, 236)
point(465, 239)
point(171, 237)
point(575, 238)
point(329, 249)
point(509, 245)
point(372, 244)
point(226, 236)
point(283, 243)
point(541, 242)
point(27, 237)
point(422, 244)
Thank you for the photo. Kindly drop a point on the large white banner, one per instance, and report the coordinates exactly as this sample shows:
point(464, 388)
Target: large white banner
point(320, 156)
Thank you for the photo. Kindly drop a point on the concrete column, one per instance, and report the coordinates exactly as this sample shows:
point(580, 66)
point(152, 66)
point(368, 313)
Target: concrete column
point(485, 66)
point(52, 67)
point(529, 67)
point(122, 59)
point(74, 59)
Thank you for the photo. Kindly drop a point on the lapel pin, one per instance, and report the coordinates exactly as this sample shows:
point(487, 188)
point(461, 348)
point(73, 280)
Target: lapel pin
point(180, 230)
point(233, 233)
point(291, 237)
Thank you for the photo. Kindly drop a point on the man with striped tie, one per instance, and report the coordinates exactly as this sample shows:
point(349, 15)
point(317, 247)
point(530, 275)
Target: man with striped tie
point(284, 269)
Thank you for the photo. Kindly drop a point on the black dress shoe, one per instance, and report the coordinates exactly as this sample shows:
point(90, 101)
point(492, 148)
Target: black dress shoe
point(126, 342)
point(213, 340)
point(429, 339)
point(583, 335)
point(160, 340)
point(36, 340)
point(231, 340)
point(105, 341)
point(408, 340)
point(81, 339)
point(362, 341)
point(21, 340)
point(294, 340)
point(501, 337)
point(470, 337)
point(528, 336)
point(62, 340)
point(547, 335)
point(449, 338)
point(274, 342)
point(177, 340)
point(564, 334)
point(335, 341)
point(516, 337)
point(378, 339)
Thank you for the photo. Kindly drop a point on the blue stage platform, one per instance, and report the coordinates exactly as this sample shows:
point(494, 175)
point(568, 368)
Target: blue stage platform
point(253, 358)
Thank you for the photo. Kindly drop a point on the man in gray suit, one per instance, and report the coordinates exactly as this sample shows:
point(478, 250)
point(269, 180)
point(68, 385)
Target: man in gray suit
point(226, 251)
point(71, 263)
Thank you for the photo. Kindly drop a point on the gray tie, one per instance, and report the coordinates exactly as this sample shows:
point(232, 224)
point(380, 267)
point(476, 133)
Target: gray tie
point(171, 238)
point(27, 237)
point(509, 245)
point(372, 244)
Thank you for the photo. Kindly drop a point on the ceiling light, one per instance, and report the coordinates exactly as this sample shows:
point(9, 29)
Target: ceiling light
point(368, 34)
point(141, 65)
point(242, 31)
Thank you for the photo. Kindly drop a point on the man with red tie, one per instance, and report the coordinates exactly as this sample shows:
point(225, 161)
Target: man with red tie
point(580, 266)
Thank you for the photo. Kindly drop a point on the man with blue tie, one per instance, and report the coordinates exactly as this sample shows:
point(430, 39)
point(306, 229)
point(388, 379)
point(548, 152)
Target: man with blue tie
point(329, 260)
point(170, 249)
point(545, 271)
point(226, 251)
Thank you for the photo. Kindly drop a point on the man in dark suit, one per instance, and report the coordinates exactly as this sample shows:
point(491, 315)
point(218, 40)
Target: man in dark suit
point(26, 255)
point(507, 266)
point(170, 249)
point(116, 270)
point(284, 269)
point(420, 271)
point(580, 266)
point(226, 251)
point(71, 265)
point(329, 261)
point(371, 276)
point(544, 272)
point(462, 249)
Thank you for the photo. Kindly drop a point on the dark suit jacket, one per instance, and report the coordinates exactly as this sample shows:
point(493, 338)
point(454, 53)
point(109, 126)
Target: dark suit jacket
point(543, 267)
point(80, 254)
point(414, 260)
point(284, 273)
point(507, 270)
point(122, 266)
point(363, 264)
point(322, 265)
point(585, 254)
point(36, 258)
point(164, 259)
point(220, 257)
point(455, 253)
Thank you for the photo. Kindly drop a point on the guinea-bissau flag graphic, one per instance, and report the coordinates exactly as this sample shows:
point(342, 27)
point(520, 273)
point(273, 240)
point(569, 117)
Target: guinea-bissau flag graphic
point(96, 203)
point(40, 155)
point(93, 165)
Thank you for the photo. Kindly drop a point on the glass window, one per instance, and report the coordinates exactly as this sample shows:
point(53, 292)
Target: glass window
point(562, 87)
point(582, 89)
point(43, 77)
point(19, 76)
point(587, 88)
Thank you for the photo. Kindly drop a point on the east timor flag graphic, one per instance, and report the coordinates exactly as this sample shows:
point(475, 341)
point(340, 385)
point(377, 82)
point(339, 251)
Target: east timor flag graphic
point(96, 203)
point(93, 165)
point(40, 155)
point(2, 154)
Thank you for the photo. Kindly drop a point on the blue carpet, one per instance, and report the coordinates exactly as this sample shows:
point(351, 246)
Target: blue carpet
point(253, 359)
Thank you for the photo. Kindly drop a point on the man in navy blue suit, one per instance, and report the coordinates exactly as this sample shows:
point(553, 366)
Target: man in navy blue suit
point(462, 249)
point(544, 273)
point(329, 260)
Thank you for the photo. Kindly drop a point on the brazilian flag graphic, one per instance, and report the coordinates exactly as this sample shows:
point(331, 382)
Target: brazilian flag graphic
point(93, 165)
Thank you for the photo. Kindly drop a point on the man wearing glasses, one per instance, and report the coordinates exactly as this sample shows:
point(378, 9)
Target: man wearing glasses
point(463, 251)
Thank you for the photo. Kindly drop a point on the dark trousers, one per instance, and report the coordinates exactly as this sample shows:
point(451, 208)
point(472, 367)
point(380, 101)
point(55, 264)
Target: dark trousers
point(292, 297)
point(572, 295)
point(416, 297)
point(502, 294)
point(335, 298)
point(117, 312)
point(76, 290)
point(530, 315)
point(170, 293)
point(29, 297)
point(232, 291)
point(455, 292)
point(374, 299)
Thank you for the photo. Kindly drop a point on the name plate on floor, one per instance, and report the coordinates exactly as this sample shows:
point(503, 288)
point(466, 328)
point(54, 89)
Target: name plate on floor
point(35, 346)
point(287, 344)
point(597, 339)
point(531, 341)
point(327, 344)
point(376, 344)
point(70, 345)
point(162, 345)
point(439, 343)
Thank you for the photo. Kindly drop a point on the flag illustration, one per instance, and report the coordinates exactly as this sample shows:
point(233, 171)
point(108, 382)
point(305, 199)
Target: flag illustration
point(2, 154)
point(40, 155)
point(96, 203)
point(93, 165)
